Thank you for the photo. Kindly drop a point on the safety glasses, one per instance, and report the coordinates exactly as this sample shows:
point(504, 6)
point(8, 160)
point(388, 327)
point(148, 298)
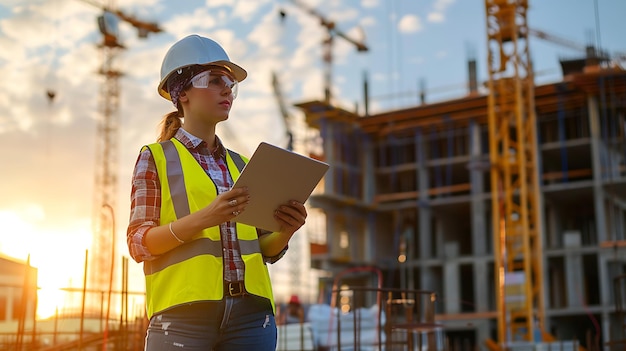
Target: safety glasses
point(216, 81)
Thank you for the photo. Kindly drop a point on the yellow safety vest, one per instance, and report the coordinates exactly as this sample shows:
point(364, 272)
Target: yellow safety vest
point(194, 270)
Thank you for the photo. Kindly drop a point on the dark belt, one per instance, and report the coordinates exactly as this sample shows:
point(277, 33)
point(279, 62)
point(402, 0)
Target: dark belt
point(234, 289)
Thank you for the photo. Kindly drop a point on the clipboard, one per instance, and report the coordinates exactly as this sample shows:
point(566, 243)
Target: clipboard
point(274, 176)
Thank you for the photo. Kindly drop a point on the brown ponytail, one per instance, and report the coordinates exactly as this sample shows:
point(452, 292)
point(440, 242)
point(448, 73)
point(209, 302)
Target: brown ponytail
point(169, 125)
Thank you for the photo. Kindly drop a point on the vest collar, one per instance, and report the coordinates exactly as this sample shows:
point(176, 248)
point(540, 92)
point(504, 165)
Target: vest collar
point(192, 142)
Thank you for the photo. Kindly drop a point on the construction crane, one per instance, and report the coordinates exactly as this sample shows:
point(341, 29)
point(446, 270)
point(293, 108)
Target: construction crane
point(296, 244)
point(514, 174)
point(283, 110)
point(588, 50)
point(557, 40)
point(107, 137)
point(328, 43)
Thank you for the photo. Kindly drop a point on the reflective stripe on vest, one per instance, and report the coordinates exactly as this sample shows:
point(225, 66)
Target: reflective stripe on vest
point(202, 246)
point(193, 271)
point(177, 180)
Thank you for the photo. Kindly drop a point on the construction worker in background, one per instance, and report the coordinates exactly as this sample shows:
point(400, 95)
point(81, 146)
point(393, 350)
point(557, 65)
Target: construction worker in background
point(207, 283)
point(295, 311)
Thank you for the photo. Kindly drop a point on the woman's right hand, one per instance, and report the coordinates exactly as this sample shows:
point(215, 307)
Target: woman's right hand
point(226, 206)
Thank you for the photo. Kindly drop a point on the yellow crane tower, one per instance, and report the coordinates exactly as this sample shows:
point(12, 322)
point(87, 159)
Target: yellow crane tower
point(516, 218)
point(101, 257)
point(328, 43)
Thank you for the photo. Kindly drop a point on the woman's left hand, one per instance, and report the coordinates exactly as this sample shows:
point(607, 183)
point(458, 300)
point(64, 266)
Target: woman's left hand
point(291, 216)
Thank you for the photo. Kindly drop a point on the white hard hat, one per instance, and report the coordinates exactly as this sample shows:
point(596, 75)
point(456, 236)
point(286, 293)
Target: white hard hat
point(195, 50)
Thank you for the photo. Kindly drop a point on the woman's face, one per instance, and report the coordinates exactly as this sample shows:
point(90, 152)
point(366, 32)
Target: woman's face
point(211, 94)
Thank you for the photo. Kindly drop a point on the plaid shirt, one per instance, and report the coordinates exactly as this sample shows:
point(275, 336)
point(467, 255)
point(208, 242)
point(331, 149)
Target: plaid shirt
point(146, 203)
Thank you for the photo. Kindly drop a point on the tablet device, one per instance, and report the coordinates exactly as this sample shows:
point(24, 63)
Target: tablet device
point(274, 176)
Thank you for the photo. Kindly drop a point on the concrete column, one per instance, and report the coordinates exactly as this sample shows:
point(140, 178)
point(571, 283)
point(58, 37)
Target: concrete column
point(428, 281)
point(452, 289)
point(368, 171)
point(606, 331)
point(370, 238)
point(424, 212)
point(327, 132)
point(440, 234)
point(483, 332)
point(481, 286)
point(477, 171)
point(369, 190)
point(606, 287)
point(552, 228)
point(596, 156)
point(619, 220)
point(424, 233)
point(605, 281)
point(574, 279)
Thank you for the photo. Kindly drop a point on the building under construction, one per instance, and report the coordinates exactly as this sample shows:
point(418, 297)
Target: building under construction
point(411, 192)
point(509, 206)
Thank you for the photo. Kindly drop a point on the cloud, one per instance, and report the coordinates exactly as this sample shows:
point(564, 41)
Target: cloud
point(442, 5)
point(183, 24)
point(217, 3)
point(410, 24)
point(435, 17)
point(438, 13)
point(369, 3)
point(266, 38)
point(344, 16)
point(42, 53)
point(248, 10)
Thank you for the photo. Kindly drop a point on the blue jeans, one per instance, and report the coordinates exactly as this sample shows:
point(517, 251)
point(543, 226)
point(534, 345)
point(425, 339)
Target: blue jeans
point(233, 324)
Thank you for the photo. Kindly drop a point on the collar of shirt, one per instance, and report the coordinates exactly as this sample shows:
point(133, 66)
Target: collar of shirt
point(192, 142)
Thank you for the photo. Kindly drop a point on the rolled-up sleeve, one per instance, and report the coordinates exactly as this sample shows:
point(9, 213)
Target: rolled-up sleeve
point(145, 208)
point(272, 259)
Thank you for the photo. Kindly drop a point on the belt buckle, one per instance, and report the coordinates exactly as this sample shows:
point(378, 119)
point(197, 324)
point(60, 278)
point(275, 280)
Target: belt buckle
point(235, 289)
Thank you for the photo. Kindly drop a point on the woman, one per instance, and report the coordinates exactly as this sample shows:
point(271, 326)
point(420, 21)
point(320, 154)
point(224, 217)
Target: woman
point(207, 284)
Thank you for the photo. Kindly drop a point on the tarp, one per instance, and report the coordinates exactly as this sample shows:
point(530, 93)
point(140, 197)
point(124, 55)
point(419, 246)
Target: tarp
point(324, 321)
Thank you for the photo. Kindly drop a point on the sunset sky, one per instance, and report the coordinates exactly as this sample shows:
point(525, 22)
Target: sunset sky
point(47, 147)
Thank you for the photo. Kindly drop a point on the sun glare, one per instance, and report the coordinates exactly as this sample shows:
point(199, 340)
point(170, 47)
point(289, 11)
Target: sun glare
point(49, 302)
point(56, 250)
